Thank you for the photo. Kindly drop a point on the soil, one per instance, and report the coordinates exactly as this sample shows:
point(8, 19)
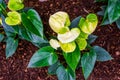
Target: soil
point(15, 67)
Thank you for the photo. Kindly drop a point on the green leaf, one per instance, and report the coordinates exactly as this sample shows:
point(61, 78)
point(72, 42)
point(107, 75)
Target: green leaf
point(1, 1)
point(1, 37)
point(36, 20)
point(9, 30)
point(43, 57)
point(102, 54)
point(75, 22)
point(24, 34)
point(52, 69)
point(65, 74)
point(105, 20)
point(11, 46)
point(91, 38)
point(113, 10)
point(2, 5)
point(28, 24)
point(29, 36)
point(118, 23)
point(87, 62)
point(101, 13)
point(73, 58)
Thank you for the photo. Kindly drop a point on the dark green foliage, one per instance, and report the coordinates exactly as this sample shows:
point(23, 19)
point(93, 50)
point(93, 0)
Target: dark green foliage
point(11, 46)
point(87, 62)
point(65, 73)
point(1, 37)
point(111, 12)
point(91, 38)
point(102, 54)
point(73, 58)
point(31, 29)
point(43, 57)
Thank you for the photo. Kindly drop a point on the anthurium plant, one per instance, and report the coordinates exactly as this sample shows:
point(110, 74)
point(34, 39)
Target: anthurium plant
point(110, 12)
point(73, 43)
point(18, 22)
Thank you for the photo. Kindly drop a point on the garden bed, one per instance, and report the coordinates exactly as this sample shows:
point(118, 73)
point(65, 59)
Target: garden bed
point(15, 67)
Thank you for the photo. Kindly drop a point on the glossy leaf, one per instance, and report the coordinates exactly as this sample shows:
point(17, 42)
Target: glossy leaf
point(87, 62)
point(36, 20)
point(2, 6)
point(1, 1)
point(113, 10)
point(65, 73)
point(105, 20)
point(29, 25)
point(91, 38)
point(102, 54)
point(43, 57)
point(75, 22)
point(53, 68)
point(73, 58)
point(9, 30)
point(11, 46)
point(29, 36)
point(101, 13)
point(1, 37)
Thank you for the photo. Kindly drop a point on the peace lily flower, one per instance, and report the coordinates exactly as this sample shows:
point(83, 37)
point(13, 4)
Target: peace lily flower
point(88, 25)
point(68, 47)
point(13, 18)
point(59, 22)
point(54, 43)
point(15, 5)
point(69, 36)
